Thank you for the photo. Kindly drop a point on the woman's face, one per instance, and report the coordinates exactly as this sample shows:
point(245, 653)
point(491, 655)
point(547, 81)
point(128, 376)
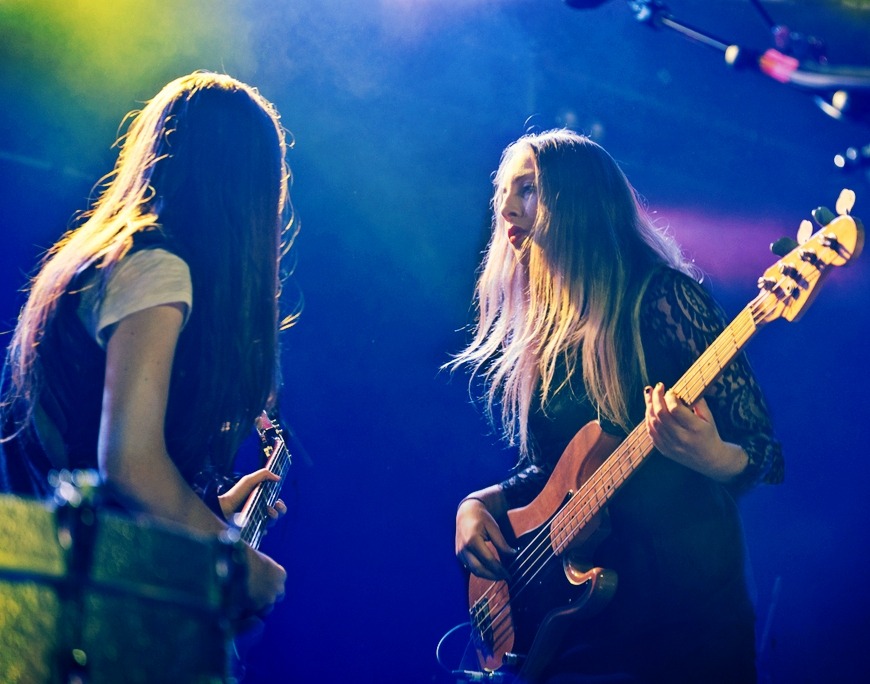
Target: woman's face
point(518, 201)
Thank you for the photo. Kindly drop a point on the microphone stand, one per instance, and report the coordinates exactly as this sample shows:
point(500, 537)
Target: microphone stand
point(779, 63)
point(840, 92)
point(654, 13)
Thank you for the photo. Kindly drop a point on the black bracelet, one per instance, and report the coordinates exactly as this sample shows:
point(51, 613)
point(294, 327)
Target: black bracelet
point(471, 498)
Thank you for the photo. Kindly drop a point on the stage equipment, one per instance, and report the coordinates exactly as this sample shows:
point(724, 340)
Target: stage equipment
point(89, 595)
point(796, 59)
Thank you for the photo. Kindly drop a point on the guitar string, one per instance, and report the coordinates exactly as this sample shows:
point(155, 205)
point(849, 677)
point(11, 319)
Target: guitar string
point(637, 446)
point(625, 445)
point(712, 351)
point(258, 517)
point(265, 495)
point(699, 377)
point(691, 392)
point(545, 538)
point(703, 363)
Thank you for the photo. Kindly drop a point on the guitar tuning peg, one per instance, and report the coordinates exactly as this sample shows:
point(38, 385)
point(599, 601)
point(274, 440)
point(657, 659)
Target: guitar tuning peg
point(783, 246)
point(805, 231)
point(845, 201)
point(823, 216)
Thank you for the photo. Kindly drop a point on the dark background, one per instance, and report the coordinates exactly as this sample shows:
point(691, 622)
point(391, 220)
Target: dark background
point(400, 109)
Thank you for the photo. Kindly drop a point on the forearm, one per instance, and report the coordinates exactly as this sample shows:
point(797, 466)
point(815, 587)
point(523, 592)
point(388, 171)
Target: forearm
point(153, 483)
point(725, 464)
point(477, 532)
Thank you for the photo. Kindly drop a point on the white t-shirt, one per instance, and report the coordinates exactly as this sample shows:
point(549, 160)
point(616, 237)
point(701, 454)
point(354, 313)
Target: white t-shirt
point(147, 278)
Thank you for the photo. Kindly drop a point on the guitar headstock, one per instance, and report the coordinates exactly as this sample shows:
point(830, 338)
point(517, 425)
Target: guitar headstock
point(795, 278)
point(264, 423)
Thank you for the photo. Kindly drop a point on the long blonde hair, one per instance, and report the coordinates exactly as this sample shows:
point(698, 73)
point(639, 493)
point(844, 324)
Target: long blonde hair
point(575, 292)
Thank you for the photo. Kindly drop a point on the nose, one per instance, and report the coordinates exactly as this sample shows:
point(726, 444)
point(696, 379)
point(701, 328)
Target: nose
point(511, 206)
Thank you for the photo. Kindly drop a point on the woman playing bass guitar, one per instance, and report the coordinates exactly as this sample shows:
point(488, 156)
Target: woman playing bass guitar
point(588, 312)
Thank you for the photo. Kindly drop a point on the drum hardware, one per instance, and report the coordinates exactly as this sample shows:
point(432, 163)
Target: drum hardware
point(89, 595)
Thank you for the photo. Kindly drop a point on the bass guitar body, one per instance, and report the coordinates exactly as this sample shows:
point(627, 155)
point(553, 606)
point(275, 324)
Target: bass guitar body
point(519, 623)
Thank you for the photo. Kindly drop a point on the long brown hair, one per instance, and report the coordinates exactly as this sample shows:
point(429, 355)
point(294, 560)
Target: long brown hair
point(203, 166)
point(574, 294)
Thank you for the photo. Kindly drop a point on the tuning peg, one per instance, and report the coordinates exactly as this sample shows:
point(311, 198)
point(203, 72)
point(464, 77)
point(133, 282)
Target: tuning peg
point(766, 283)
point(845, 201)
point(823, 216)
point(805, 232)
point(809, 256)
point(783, 246)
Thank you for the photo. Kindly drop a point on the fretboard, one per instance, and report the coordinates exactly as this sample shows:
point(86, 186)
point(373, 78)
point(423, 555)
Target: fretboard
point(634, 449)
point(254, 515)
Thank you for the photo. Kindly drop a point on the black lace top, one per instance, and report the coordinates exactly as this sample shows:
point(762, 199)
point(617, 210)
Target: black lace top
point(676, 540)
point(679, 320)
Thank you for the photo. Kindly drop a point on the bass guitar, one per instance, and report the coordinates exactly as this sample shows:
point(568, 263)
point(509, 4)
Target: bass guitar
point(517, 623)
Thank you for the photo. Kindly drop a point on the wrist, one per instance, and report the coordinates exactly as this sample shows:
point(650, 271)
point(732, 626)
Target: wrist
point(469, 499)
point(491, 498)
point(732, 463)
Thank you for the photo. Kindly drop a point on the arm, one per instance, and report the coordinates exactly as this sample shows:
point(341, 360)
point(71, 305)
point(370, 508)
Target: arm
point(477, 516)
point(132, 452)
point(727, 435)
point(689, 436)
point(475, 526)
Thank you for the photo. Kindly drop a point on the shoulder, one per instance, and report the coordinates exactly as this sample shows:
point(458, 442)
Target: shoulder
point(149, 273)
point(668, 282)
point(143, 279)
point(154, 261)
point(676, 298)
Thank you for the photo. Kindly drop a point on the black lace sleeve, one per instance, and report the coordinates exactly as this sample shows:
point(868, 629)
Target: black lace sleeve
point(523, 485)
point(679, 320)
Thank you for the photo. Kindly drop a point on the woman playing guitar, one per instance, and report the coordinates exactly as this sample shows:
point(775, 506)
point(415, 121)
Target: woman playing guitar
point(587, 313)
point(148, 344)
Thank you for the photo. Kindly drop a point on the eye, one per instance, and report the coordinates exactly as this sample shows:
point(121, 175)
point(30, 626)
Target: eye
point(527, 189)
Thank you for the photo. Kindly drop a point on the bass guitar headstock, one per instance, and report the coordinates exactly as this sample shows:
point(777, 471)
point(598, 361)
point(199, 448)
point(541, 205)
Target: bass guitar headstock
point(790, 284)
